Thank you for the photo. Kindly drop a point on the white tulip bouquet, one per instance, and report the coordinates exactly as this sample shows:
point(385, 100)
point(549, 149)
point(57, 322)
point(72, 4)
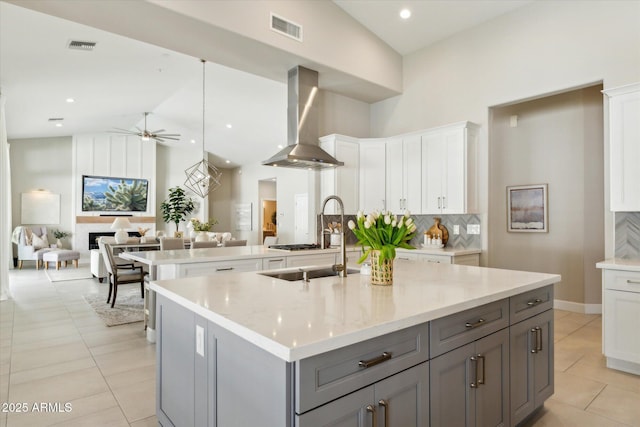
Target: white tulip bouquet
point(383, 232)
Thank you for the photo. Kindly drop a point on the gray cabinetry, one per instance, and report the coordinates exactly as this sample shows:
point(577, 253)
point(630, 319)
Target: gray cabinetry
point(531, 350)
point(470, 385)
point(400, 400)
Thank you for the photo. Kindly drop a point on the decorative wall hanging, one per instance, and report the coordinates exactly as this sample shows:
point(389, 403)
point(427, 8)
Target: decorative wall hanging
point(527, 210)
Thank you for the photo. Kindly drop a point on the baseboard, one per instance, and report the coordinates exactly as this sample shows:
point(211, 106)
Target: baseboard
point(577, 307)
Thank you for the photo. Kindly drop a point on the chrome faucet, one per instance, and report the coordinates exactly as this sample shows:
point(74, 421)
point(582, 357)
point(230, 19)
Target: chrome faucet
point(342, 267)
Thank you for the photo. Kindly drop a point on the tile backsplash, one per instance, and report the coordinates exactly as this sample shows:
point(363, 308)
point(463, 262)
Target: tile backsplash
point(423, 223)
point(627, 244)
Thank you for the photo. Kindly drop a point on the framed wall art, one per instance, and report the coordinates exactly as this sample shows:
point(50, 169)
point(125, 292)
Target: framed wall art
point(527, 210)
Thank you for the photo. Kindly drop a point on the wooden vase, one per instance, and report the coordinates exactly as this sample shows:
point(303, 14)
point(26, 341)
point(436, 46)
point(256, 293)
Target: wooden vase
point(381, 273)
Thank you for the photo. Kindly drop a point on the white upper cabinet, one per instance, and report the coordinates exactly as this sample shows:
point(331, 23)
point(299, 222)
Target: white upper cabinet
point(624, 147)
point(342, 181)
point(404, 174)
point(449, 175)
point(372, 175)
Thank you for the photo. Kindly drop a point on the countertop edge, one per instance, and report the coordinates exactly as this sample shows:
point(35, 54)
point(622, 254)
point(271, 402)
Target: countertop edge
point(619, 264)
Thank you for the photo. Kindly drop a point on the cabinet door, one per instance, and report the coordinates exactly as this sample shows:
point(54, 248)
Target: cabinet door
point(348, 411)
point(454, 172)
point(412, 173)
point(395, 175)
point(622, 317)
point(531, 367)
point(274, 263)
point(432, 165)
point(344, 180)
point(372, 176)
point(624, 137)
point(492, 372)
point(452, 399)
point(403, 399)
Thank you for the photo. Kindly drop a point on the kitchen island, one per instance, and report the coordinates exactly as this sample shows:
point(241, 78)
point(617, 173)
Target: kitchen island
point(445, 345)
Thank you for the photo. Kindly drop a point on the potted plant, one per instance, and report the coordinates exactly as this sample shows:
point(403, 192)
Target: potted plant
point(202, 228)
point(176, 207)
point(59, 234)
point(380, 234)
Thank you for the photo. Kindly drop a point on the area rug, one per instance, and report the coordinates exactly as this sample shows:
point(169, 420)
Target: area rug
point(129, 307)
point(68, 273)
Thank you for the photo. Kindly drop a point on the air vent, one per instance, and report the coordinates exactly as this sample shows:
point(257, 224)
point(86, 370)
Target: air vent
point(80, 45)
point(286, 27)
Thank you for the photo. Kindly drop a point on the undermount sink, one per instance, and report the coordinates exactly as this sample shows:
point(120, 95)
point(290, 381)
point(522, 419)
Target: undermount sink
point(298, 274)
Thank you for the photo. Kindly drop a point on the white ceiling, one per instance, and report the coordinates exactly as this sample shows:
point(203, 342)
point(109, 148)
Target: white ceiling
point(122, 78)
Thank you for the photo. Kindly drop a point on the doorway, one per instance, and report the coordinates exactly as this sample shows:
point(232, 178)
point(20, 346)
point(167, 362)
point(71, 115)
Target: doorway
point(269, 209)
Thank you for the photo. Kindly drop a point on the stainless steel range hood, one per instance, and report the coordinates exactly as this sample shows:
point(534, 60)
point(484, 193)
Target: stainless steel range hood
point(302, 150)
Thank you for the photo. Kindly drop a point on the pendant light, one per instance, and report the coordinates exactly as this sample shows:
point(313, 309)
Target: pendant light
point(203, 177)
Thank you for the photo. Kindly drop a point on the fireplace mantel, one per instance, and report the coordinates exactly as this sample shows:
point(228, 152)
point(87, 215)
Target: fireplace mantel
point(110, 219)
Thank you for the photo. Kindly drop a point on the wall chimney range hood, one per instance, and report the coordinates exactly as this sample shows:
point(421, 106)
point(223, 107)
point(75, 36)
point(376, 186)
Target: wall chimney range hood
point(302, 151)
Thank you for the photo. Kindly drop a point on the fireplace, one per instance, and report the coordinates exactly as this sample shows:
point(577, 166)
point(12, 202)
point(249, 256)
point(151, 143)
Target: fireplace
point(93, 237)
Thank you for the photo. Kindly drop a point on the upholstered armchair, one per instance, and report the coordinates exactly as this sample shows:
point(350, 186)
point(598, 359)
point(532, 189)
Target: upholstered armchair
point(33, 243)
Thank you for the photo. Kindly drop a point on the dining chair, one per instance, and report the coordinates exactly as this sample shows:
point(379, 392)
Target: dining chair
point(208, 244)
point(227, 243)
point(120, 274)
point(167, 243)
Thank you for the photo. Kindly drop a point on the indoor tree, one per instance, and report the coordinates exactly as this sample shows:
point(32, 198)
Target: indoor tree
point(176, 207)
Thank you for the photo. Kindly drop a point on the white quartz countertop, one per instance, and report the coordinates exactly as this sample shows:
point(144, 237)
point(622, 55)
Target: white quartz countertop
point(294, 320)
point(186, 256)
point(620, 264)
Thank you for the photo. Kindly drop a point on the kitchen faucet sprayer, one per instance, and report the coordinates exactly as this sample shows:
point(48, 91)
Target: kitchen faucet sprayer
point(342, 267)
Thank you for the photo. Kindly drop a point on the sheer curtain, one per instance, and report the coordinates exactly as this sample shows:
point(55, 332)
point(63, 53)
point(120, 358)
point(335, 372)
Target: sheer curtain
point(6, 250)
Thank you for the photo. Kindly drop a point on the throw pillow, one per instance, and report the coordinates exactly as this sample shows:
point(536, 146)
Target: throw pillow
point(39, 242)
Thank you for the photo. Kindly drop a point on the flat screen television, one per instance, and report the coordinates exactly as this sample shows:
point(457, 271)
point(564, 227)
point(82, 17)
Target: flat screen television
point(111, 194)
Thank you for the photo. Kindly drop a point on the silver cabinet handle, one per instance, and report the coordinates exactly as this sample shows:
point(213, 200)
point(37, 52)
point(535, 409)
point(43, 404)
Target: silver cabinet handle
point(536, 332)
point(474, 383)
point(481, 359)
point(224, 269)
point(385, 406)
point(444, 202)
point(372, 409)
point(633, 282)
point(375, 361)
point(438, 202)
point(474, 325)
point(276, 260)
point(534, 302)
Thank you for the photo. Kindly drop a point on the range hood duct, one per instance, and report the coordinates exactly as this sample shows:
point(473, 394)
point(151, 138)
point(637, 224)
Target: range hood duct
point(302, 151)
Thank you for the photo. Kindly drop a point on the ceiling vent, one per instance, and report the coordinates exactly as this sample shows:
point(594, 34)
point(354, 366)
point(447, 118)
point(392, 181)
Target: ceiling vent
point(80, 45)
point(286, 27)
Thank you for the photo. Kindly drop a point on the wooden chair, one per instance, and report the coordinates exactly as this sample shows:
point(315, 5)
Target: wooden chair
point(208, 244)
point(227, 243)
point(120, 274)
point(167, 243)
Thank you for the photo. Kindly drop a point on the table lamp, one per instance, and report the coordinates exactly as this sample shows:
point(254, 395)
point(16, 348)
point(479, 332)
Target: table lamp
point(120, 224)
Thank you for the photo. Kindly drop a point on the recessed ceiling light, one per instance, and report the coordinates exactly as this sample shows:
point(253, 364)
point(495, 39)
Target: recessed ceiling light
point(58, 125)
point(71, 100)
point(405, 14)
point(280, 146)
point(193, 141)
point(227, 161)
point(229, 126)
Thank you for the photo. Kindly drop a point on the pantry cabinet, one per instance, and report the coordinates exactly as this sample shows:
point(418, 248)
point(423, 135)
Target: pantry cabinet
point(449, 162)
point(624, 147)
point(342, 181)
point(372, 175)
point(404, 174)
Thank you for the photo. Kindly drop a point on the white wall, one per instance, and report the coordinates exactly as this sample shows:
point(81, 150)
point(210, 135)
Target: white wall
point(43, 163)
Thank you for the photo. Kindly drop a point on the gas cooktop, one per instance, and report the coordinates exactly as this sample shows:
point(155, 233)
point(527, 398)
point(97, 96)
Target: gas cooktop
point(295, 247)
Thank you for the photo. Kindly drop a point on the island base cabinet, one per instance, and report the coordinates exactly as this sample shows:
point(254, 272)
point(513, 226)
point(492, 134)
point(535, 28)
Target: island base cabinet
point(470, 385)
point(531, 351)
point(400, 400)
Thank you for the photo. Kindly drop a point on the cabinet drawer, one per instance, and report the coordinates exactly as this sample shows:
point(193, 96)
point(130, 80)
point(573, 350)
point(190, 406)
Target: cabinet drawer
point(462, 328)
point(217, 267)
point(621, 280)
point(322, 378)
point(531, 303)
point(441, 259)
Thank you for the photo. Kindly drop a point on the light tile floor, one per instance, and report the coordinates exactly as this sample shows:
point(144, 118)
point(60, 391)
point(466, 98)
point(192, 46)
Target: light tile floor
point(54, 349)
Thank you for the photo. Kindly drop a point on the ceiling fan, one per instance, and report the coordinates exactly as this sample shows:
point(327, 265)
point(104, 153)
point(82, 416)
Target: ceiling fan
point(146, 135)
